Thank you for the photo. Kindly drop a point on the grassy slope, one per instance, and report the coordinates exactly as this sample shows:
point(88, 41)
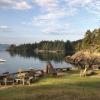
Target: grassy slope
point(68, 87)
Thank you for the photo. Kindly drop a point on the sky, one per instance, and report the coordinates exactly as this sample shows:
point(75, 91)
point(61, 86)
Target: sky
point(27, 21)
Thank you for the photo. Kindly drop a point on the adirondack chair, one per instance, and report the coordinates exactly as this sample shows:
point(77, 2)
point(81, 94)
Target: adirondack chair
point(25, 76)
point(7, 78)
point(20, 77)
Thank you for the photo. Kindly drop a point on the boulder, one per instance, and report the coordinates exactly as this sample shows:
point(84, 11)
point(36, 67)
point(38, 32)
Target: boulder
point(90, 72)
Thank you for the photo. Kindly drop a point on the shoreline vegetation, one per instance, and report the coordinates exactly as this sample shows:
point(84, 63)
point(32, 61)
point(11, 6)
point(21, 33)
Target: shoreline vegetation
point(45, 50)
point(43, 47)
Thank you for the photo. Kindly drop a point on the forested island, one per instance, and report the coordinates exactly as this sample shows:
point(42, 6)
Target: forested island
point(44, 46)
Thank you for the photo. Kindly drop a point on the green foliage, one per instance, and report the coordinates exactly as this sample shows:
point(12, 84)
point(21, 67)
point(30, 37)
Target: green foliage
point(23, 48)
point(91, 40)
point(51, 46)
point(69, 47)
point(77, 45)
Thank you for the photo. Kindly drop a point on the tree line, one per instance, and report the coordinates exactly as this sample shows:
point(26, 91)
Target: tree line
point(91, 41)
point(56, 45)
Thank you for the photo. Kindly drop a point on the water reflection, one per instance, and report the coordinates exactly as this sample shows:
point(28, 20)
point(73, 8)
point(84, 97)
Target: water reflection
point(44, 56)
point(15, 61)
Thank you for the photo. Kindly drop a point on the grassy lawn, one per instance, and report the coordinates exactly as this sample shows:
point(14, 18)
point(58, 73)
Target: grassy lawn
point(67, 87)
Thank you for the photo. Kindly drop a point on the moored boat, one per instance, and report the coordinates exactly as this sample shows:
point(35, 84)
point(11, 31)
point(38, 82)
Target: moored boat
point(2, 60)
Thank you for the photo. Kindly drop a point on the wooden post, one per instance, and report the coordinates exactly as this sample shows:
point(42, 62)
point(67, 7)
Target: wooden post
point(5, 81)
point(83, 72)
point(23, 81)
point(13, 80)
point(29, 81)
point(49, 68)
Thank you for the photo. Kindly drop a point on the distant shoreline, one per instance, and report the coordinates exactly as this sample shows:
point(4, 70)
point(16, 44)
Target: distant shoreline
point(50, 51)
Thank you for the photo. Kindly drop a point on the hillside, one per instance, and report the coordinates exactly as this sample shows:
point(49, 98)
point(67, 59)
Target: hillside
point(91, 41)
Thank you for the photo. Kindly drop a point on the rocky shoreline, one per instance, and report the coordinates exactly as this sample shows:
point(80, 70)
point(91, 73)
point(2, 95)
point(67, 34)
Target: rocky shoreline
point(84, 58)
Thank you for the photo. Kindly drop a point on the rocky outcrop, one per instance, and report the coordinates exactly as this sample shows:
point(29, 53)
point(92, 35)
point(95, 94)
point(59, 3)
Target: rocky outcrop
point(83, 58)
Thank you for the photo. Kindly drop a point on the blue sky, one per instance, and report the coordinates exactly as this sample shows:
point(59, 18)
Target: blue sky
point(27, 21)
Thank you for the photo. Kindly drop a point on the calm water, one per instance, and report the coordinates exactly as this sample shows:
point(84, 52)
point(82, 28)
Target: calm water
point(15, 61)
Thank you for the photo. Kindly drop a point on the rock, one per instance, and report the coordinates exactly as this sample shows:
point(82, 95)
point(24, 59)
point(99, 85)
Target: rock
point(83, 58)
point(90, 72)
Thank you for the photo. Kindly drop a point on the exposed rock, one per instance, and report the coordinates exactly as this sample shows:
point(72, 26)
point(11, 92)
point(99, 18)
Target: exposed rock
point(83, 58)
point(90, 72)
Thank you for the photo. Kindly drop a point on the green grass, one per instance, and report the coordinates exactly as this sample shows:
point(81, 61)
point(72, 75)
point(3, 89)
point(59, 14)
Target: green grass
point(68, 87)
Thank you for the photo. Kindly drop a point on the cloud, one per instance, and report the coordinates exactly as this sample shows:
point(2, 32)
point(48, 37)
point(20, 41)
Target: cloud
point(75, 3)
point(6, 3)
point(91, 6)
point(48, 16)
point(45, 19)
point(94, 7)
point(71, 7)
point(46, 3)
point(52, 12)
point(4, 28)
point(56, 29)
point(15, 4)
point(23, 5)
point(54, 6)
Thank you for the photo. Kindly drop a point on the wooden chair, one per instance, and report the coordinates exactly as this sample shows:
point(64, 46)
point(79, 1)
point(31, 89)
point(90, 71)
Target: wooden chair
point(25, 77)
point(7, 78)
